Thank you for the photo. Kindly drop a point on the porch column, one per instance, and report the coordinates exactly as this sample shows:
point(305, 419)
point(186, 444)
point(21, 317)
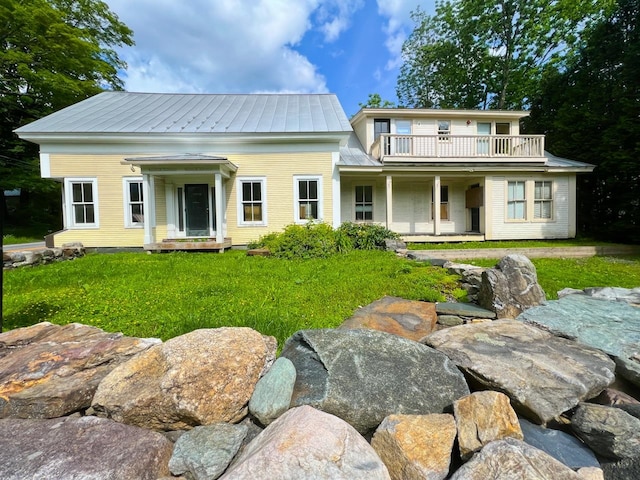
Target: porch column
point(219, 208)
point(436, 205)
point(389, 190)
point(148, 207)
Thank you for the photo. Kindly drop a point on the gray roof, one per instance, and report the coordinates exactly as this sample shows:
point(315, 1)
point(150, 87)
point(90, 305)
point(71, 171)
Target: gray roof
point(553, 161)
point(170, 113)
point(352, 154)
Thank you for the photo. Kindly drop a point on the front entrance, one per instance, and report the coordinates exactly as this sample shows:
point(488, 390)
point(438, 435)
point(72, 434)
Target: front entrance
point(196, 199)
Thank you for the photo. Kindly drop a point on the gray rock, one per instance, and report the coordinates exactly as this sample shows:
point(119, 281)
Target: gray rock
point(272, 395)
point(617, 294)
point(362, 376)
point(543, 375)
point(450, 320)
point(613, 327)
point(560, 445)
point(205, 452)
point(513, 459)
point(609, 431)
point(628, 469)
point(80, 448)
point(463, 268)
point(511, 287)
point(393, 244)
point(463, 310)
point(305, 443)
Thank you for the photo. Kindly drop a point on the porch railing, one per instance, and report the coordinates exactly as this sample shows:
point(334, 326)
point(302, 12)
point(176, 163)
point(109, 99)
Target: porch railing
point(457, 146)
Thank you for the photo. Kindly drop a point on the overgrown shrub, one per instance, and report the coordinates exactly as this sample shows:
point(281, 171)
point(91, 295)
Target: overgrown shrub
point(320, 240)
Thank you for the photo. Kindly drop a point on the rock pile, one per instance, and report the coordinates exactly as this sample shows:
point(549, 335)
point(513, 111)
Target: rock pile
point(42, 256)
point(391, 394)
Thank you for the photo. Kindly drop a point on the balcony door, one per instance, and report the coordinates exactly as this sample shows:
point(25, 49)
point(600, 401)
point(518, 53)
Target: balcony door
point(483, 129)
point(382, 126)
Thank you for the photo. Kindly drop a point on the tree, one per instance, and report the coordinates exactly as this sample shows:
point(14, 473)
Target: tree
point(376, 101)
point(53, 53)
point(488, 53)
point(590, 111)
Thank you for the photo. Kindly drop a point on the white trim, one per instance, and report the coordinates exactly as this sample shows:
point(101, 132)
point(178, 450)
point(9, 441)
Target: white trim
point(389, 203)
point(126, 202)
point(336, 190)
point(220, 208)
point(373, 201)
point(296, 195)
point(45, 165)
point(68, 202)
point(263, 201)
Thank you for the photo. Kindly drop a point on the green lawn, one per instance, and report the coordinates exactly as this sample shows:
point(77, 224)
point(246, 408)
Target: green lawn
point(165, 295)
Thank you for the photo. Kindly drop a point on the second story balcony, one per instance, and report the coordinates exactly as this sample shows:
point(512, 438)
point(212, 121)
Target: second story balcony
point(389, 148)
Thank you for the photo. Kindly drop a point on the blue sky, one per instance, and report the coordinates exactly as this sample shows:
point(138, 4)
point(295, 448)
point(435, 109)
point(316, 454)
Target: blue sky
point(347, 47)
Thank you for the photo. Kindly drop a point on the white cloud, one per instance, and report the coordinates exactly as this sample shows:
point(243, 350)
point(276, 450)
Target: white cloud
point(399, 25)
point(226, 45)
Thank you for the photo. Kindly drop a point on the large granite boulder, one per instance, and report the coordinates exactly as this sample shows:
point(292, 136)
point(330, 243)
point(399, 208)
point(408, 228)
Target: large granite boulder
point(611, 326)
point(609, 431)
point(308, 443)
point(206, 376)
point(483, 417)
point(48, 370)
point(543, 375)
point(80, 448)
point(408, 318)
point(362, 376)
point(511, 287)
point(513, 459)
point(416, 447)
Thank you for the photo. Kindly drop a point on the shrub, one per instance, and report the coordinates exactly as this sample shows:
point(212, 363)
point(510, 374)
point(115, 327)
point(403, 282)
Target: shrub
point(320, 240)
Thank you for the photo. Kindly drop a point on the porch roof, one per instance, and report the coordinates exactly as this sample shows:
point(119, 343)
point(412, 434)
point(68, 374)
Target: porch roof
point(352, 154)
point(184, 160)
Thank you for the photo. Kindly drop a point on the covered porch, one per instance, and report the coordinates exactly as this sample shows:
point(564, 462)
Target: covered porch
point(184, 201)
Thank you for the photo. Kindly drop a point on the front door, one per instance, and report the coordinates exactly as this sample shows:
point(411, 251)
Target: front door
point(196, 199)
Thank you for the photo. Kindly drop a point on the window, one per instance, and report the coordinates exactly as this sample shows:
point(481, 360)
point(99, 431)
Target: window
point(252, 201)
point(133, 202)
point(382, 126)
point(516, 200)
point(403, 143)
point(364, 203)
point(444, 203)
point(81, 198)
point(543, 200)
point(307, 198)
point(444, 130)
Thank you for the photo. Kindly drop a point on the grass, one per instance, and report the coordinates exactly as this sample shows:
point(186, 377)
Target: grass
point(554, 274)
point(573, 242)
point(172, 294)
point(13, 235)
point(11, 239)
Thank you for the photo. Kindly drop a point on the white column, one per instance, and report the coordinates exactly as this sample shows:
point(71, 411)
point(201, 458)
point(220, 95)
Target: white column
point(219, 208)
point(335, 191)
point(389, 191)
point(436, 205)
point(146, 206)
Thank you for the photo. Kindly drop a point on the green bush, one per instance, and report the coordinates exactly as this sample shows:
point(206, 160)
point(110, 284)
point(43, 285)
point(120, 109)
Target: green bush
point(320, 240)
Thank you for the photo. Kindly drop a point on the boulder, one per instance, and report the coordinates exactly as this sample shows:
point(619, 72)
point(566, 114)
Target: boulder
point(511, 287)
point(205, 452)
point(590, 473)
point(483, 417)
point(463, 310)
point(48, 371)
point(543, 375)
point(608, 431)
point(79, 448)
point(513, 459)
point(362, 376)
point(416, 447)
point(407, 318)
point(307, 443)
point(272, 395)
point(613, 327)
point(206, 376)
point(560, 445)
point(627, 469)
point(616, 294)
point(450, 320)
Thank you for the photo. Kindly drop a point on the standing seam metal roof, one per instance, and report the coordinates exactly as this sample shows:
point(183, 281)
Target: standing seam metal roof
point(158, 113)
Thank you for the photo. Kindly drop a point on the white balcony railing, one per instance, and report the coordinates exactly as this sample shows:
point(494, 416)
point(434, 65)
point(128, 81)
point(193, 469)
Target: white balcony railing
point(458, 146)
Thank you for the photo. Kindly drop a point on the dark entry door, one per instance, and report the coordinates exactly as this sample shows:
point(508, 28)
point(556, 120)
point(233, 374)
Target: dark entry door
point(196, 199)
point(475, 219)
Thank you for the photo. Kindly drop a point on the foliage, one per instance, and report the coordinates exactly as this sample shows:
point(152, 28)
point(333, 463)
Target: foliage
point(488, 54)
point(376, 101)
point(590, 111)
point(171, 294)
point(320, 240)
point(53, 53)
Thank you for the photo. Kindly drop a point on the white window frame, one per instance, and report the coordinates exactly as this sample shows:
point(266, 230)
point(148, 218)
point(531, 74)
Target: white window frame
point(69, 204)
point(515, 201)
point(126, 199)
point(263, 193)
point(543, 200)
point(444, 135)
point(373, 203)
point(443, 187)
point(296, 195)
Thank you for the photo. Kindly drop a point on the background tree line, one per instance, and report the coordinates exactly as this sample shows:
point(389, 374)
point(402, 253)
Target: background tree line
point(574, 63)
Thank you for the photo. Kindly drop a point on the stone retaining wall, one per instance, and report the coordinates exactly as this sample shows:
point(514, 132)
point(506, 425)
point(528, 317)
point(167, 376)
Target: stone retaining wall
point(41, 256)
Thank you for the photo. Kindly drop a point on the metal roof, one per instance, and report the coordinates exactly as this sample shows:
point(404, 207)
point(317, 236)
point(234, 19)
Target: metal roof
point(171, 113)
point(352, 154)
